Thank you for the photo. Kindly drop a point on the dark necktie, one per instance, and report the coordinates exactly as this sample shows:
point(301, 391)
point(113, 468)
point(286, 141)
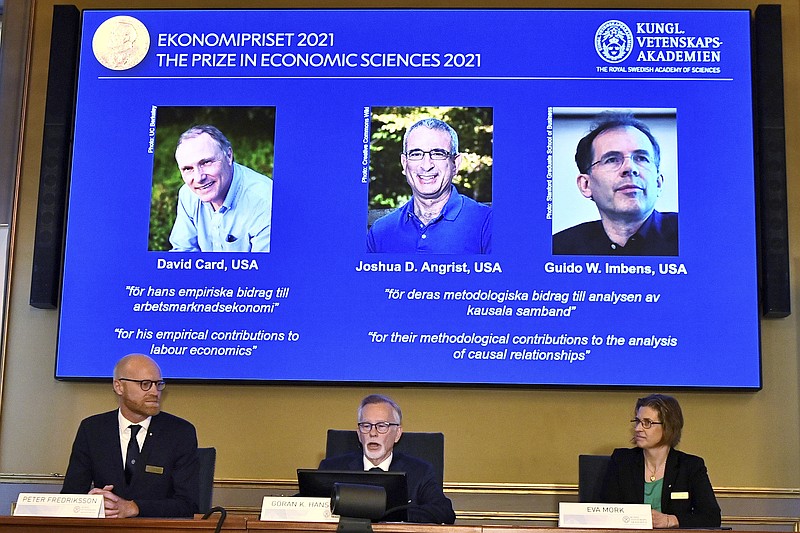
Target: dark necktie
point(133, 453)
point(376, 469)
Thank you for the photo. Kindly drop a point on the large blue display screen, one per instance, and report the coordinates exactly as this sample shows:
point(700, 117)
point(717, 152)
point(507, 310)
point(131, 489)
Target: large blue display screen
point(325, 242)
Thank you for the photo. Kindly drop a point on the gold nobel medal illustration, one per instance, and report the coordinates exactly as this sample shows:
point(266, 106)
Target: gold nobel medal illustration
point(121, 43)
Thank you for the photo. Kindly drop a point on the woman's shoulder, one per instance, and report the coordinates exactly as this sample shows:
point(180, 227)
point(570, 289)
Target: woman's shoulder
point(626, 455)
point(687, 458)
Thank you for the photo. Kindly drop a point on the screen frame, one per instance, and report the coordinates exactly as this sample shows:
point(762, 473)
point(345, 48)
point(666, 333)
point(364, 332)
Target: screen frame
point(268, 381)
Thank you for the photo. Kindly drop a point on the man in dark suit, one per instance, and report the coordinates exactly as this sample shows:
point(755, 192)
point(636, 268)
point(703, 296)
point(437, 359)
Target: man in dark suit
point(143, 461)
point(379, 429)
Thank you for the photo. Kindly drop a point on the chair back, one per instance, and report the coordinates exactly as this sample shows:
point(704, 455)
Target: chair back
point(591, 471)
point(426, 446)
point(206, 458)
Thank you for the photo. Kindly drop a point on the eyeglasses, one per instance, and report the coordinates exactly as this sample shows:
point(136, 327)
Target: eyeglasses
point(201, 167)
point(145, 384)
point(380, 427)
point(613, 161)
point(437, 154)
point(645, 422)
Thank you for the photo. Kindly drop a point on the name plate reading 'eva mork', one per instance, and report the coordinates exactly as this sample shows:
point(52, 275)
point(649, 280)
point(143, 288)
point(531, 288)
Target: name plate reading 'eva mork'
point(60, 505)
point(605, 515)
point(297, 509)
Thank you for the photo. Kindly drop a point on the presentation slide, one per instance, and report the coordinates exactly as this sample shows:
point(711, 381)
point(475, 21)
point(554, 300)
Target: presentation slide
point(524, 197)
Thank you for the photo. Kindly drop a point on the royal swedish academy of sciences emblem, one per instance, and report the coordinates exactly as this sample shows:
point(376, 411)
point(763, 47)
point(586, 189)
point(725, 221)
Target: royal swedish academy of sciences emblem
point(613, 41)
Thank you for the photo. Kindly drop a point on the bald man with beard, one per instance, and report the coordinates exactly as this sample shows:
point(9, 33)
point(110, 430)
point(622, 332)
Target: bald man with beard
point(154, 476)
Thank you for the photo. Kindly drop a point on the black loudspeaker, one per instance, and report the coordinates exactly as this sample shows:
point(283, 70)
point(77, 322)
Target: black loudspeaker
point(771, 161)
point(56, 143)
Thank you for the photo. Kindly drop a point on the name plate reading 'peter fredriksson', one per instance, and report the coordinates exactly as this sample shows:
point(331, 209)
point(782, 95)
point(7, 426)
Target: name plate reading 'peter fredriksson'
point(60, 505)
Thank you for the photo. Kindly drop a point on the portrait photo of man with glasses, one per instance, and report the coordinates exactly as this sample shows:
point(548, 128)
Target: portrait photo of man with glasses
point(620, 170)
point(437, 218)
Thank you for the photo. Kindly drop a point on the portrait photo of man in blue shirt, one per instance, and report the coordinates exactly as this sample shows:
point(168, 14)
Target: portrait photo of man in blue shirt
point(619, 164)
point(222, 206)
point(437, 218)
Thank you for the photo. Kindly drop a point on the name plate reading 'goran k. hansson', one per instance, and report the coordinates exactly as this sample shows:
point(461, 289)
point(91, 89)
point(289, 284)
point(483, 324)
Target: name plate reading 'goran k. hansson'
point(297, 509)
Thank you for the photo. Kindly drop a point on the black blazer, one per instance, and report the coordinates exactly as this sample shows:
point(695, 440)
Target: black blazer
point(165, 482)
point(429, 504)
point(684, 475)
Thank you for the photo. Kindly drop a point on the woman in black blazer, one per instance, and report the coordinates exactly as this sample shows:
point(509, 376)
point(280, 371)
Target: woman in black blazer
point(674, 483)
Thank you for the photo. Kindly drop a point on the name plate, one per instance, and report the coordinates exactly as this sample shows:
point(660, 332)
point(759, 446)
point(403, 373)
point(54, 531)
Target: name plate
point(297, 509)
point(60, 505)
point(605, 515)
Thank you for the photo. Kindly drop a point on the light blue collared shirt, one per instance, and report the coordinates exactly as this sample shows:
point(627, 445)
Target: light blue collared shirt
point(242, 224)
